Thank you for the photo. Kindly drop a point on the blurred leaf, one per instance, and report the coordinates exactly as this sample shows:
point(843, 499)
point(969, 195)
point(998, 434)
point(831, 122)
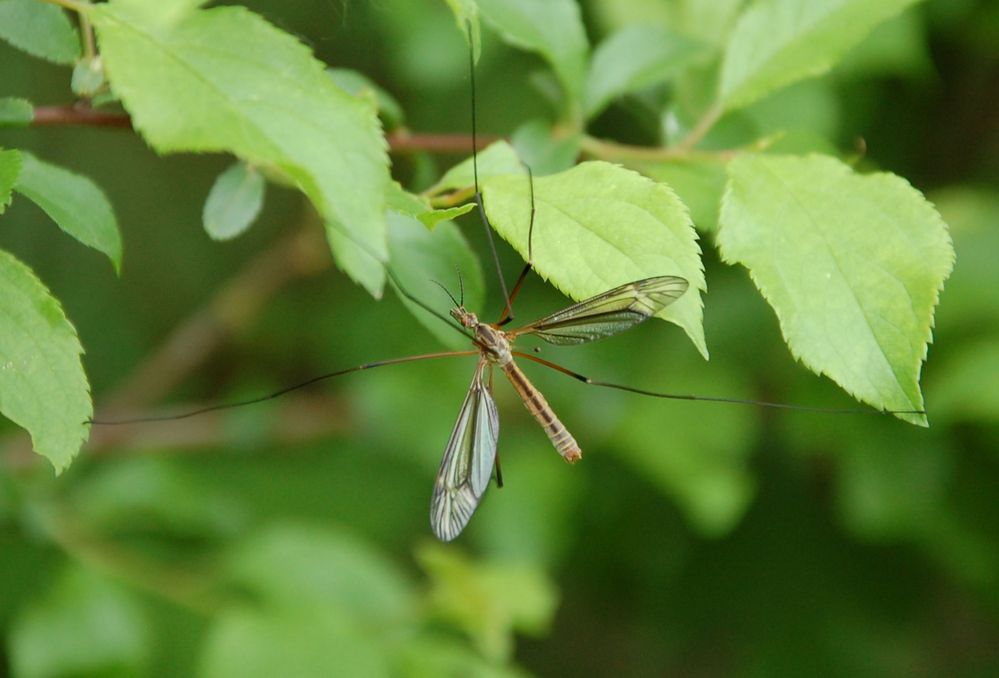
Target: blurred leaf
point(88, 78)
point(777, 42)
point(226, 80)
point(964, 389)
point(40, 29)
point(15, 112)
point(359, 85)
point(42, 384)
point(892, 486)
point(295, 566)
point(699, 183)
point(10, 168)
point(419, 257)
point(84, 625)
point(851, 264)
point(634, 58)
point(899, 46)
point(498, 158)
point(489, 601)
point(466, 15)
point(151, 495)
point(77, 205)
point(971, 214)
point(433, 656)
point(305, 641)
point(537, 143)
point(702, 462)
point(553, 28)
point(597, 226)
point(234, 202)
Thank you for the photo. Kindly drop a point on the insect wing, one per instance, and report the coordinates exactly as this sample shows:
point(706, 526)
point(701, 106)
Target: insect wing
point(468, 461)
point(608, 313)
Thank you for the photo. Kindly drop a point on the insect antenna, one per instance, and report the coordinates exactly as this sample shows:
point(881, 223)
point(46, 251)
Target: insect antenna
point(448, 293)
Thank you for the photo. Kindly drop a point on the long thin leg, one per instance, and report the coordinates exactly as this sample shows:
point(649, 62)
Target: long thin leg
point(508, 309)
point(712, 399)
point(287, 389)
point(499, 471)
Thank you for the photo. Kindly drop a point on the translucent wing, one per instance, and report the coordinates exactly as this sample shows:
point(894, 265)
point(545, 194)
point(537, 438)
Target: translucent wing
point(609, 313)
point(468, 461)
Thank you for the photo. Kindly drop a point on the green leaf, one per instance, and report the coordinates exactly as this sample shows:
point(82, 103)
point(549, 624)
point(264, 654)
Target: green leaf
point(307, 641)
point(851, 264)
point(40, 29)
point(777, 42)
point(77, 205)
point(488, 601)
point(226, 80)
point(10, 168)
point(466, 14)
point(597, 226)
point(634, 58)
point(497, 158)
point(359, 85)
point(699, 183)
point(543, 149)
point(42, 384)
point(404, 202)
point(419, 257)
point(234, 202)
point(85, 625)
point(553, 28)
point(294, 566)
point(15, 112)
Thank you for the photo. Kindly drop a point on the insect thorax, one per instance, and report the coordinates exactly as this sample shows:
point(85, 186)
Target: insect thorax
point(495, 346)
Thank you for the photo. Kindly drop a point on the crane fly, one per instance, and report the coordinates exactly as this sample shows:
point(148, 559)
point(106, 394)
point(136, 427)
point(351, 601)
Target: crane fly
point(470, 455)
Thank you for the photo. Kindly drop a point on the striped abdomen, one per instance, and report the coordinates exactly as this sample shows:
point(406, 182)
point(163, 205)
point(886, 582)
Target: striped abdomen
point(539, 408)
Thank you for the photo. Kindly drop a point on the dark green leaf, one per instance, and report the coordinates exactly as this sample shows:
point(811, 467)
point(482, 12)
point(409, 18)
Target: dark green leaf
point(77, 205)
point(10, 168)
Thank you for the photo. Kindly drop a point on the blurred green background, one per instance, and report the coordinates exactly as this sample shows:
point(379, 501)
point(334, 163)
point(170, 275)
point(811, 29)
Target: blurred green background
point(694, 539)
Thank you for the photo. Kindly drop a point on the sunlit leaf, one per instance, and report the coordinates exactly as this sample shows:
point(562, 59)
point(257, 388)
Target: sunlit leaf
point(357, 84)
point(42, 384)
point(777, 42)
point(404, 202)
point(598, 226)
point(851, 264)
point(226, 80)
point(75, 203)
point(234, 202)
point(700, 183)
point(40, 29)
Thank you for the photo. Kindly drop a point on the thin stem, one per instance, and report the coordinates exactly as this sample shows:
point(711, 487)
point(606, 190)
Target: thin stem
point(611, 150)
point(72, 5)
point(89, 46)
point(703, 126)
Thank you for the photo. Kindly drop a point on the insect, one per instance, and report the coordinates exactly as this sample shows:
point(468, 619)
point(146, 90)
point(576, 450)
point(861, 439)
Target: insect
point(470, 455)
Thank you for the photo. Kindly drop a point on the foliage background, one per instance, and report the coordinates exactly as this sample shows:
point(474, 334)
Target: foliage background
point(694, 538)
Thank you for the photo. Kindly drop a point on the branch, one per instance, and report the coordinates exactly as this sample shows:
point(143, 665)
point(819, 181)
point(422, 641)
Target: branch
point(400, 141)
